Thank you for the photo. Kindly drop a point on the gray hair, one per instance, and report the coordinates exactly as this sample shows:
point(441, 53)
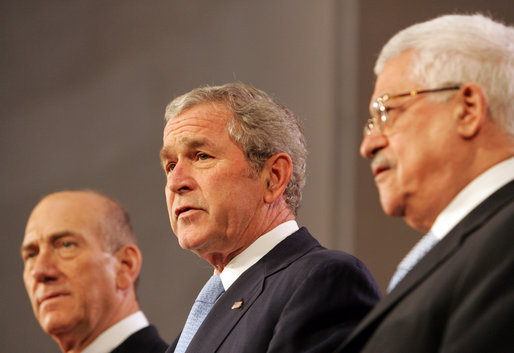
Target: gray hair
point(459, 49)
point(260, 126)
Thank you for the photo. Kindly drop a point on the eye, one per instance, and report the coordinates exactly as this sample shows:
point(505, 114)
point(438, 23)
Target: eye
point(28, 254)
point(169, 167)
point(67, 247)
point(67, 244)
point(392, 112)
point(202, 156)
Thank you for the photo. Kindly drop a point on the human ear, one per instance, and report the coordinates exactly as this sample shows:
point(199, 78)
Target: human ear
point(277, 171)
point(472, 110)
point(129, 264)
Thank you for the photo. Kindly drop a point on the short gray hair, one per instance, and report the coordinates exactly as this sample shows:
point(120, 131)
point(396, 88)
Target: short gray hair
point(260, 126)
point(458, 49)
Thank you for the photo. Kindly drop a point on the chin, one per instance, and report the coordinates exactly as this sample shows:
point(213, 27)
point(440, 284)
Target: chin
point(392, 207)
point(59, 318)
point(190, 241)
point(54, 324)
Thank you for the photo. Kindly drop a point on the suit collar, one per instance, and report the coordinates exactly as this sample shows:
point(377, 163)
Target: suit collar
point(256, 251)
point(432, 260)
point(145, 340)
point(472, 195)
point(117, 333)
point(236, 301)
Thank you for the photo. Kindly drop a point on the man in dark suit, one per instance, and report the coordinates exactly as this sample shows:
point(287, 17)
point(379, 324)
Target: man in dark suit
point(81, 266)
point(441, 144)
point(235, 167)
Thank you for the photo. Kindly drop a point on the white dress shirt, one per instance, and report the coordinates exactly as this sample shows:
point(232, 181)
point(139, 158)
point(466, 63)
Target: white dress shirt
point(255, 252)
point(117, 333)
point(472, 195)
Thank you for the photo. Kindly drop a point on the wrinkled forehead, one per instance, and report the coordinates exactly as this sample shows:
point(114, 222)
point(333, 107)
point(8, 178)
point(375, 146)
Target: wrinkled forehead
point(205, 120)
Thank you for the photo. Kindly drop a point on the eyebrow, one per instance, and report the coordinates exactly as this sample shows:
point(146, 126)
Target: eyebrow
point(27, 247)
point(53, 237)
point(190, 143)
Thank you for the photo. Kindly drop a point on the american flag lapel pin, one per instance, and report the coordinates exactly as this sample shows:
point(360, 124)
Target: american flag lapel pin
point(237, 305)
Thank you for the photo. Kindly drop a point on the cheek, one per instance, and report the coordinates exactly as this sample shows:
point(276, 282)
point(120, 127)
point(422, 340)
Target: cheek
point(406, 155)
point(29, 286)
point(99, 288)
point(232, 189)
point(414, 165)
point(99, 267)
point(168, 194)
point(169, 204)
point(244, 199)
point(169, 200)
point(27, 281)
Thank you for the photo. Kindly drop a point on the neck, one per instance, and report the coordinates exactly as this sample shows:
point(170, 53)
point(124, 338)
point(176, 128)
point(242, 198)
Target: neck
point(77, 339)
point(275, 215)
point(474, 161)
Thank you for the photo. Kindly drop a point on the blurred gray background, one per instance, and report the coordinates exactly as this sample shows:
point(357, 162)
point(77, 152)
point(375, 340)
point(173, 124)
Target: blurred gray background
point(83, 89)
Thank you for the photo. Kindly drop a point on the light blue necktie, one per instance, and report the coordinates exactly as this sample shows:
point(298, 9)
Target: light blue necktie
point(203, 304)
point(417, 252)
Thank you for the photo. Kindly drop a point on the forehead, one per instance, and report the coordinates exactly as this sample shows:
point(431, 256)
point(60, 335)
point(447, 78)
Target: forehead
point(208, 121)
point(64, 213)
point(395, 76)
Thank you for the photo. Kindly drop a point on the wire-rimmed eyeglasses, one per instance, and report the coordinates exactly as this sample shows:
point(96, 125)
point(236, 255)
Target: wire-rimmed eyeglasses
point(378, 110)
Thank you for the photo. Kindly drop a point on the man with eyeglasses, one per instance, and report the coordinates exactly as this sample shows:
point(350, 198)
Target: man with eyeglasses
point(440, 142)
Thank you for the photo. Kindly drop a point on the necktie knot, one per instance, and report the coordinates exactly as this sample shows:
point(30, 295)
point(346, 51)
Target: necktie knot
point(201, 307)
point(211, 290)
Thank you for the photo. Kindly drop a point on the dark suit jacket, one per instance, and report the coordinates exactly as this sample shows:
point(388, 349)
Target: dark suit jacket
point(300, 297)
point(146, 340)
point(458, 298)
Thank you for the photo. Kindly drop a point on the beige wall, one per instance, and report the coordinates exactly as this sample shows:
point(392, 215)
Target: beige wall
point(83, 90)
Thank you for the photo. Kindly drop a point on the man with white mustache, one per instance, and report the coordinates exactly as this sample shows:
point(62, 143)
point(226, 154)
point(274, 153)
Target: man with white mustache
point(441, 144)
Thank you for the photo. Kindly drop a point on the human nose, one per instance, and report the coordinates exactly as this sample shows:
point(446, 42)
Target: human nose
point(44, 267)
point(372, 143)
point(180, 179)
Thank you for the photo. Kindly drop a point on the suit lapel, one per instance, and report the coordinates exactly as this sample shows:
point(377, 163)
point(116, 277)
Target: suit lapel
point(236, 301)
point(432, 260)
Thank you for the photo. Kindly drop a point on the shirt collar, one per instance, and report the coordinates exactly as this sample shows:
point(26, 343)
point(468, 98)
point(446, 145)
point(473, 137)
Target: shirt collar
point(117, 333)
point(255, 252)
point(472, 195)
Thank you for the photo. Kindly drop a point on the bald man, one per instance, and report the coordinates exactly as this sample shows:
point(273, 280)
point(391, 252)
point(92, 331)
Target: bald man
point(81, 265)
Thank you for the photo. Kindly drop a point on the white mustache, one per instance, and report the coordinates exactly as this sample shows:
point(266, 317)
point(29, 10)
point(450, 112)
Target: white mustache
point(379, 162)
